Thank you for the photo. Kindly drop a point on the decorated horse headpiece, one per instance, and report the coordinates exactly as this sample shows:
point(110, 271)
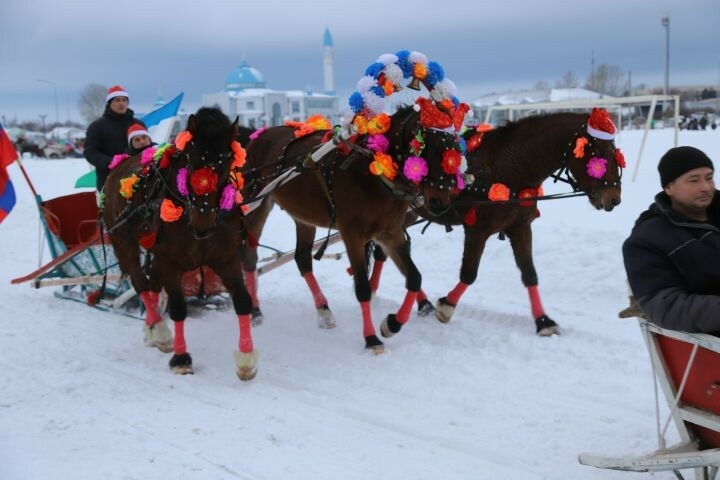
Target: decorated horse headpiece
point(598, 127)
point(442, 111)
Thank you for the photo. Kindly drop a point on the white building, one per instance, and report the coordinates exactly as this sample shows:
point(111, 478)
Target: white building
point(246, 96)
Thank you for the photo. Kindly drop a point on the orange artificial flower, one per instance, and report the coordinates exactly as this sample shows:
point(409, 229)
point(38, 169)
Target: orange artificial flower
point(182, 139)
point(383, 165)
point(579, 150)
point(379, 124)
point(361, 123)
point(127, 185)
point(420, 71)
point(499, 192)
point(239, 152)
point(169, 212)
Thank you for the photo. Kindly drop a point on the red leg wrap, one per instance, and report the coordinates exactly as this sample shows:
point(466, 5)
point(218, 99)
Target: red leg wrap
point(368, 327)
point(454, 295)
point(375, 276)
point(245, 344)
point(535, 302)
point(317, 294)
point(403, 315)
point(150, 300)
point(179, 346)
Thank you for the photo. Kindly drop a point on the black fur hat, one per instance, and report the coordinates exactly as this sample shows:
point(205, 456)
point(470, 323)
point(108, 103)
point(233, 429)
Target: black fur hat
point(679, 160)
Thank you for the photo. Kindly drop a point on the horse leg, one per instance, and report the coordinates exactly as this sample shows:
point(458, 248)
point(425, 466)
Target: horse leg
point(254, 222)
point(305, 237)
point(425, 307)
point(246, 357)
point(181, 361)
point(399, 248)
point(521, 242)
point(358, 265)
point(472, 251)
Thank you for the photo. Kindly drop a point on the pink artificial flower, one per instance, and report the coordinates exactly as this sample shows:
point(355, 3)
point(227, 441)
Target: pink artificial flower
point(596, 167)
point(181, 179)
point(415, 168)
point(146, 156)
point(378, 143)
point(227, 200)
point(117, 159)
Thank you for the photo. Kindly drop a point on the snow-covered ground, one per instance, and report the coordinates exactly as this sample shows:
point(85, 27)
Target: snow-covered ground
point(479, 398)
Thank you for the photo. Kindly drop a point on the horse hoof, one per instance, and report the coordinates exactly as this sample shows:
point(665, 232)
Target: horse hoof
point(256, 317)
point(374, 345)
point(325, 317)
point(158, 336)
point(546, 327)
point(425, 308)
point(444, 310)
point(245, 364)
point(181, 364)
point(390, 326)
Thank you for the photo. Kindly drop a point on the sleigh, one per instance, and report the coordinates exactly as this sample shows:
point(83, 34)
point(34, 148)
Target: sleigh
point(687, 369)
point(85, 268)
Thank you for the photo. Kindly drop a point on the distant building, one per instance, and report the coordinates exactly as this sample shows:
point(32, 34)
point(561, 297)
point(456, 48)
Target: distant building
point(246, 96)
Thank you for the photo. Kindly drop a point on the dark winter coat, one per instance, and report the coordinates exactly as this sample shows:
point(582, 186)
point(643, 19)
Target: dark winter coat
point(105, 137)
point(673, 266)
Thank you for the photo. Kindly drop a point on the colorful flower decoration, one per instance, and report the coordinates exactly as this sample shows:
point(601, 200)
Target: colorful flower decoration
point(378, 143)
point(596, 167)
point(257, 133)
point(383, 165)
point(227, 199)
point(117, 159)
point(127, 185)
point(451, 161)
point(499, 192)
point(181, 182)
point(203, 181)
point(415, 168)
point(239, 155)
point(620, 158)
point(146, 157)
point(579, 150)
point(169, 212)
point(312, 124)
point(417, 144)
point(528, 196)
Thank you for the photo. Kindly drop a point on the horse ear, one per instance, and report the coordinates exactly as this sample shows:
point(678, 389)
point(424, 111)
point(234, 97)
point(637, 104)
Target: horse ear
point(234, 127)
point(191, 123)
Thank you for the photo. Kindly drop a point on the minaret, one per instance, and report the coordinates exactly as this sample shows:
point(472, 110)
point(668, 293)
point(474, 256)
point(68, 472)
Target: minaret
point(328, 64)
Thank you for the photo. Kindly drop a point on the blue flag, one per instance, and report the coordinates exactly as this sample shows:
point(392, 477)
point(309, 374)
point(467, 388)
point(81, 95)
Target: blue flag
point(168, 110)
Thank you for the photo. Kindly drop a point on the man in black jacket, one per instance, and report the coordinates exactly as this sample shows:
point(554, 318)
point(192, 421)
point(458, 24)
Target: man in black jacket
point(107, 136)
point(672, 257)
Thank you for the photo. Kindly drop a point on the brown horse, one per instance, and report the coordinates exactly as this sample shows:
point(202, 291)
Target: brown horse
point(509, 165)
point(342, 192)
point(181, 205)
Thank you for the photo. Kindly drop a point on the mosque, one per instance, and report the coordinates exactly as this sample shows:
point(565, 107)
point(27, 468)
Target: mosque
point(245, 96)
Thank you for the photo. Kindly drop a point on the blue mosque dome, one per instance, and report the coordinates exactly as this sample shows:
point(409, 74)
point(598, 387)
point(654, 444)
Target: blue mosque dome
point(244, 76)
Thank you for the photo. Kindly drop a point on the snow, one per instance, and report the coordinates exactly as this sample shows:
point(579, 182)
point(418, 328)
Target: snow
point(482, 397)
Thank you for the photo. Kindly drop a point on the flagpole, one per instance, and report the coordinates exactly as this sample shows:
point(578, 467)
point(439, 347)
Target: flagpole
point(27, 179)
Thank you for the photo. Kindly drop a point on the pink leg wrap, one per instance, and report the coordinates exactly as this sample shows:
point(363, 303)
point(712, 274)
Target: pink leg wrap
point(454, 295)
point(535, 302)
point(317, 294)
point(403, 315)
point(375, 275)
point(368, 327)
point(179, 346)
point(150, 300)
point(251, 283)
point(245, 343)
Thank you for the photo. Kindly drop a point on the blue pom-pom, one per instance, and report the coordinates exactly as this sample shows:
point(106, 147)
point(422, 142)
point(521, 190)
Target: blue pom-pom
point(456, 101)
point(356, 102)
point(436, 73)
point(378, 90)
point(374, 69)
point(405, 65)
point(463, 144)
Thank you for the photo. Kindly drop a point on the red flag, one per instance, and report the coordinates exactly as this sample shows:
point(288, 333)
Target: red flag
point(8, 155)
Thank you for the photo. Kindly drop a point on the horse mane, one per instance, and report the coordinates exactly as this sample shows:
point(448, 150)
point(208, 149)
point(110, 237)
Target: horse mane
point(509, 128)
point(211, 125)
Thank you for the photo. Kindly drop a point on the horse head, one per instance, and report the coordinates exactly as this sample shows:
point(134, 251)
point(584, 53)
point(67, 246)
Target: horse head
point(596, 163)
point(428, 159)
point(208, 176)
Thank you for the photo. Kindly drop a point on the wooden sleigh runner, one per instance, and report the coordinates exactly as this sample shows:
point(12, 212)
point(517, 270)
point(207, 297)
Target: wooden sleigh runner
point(83, 261)
point(687, 369)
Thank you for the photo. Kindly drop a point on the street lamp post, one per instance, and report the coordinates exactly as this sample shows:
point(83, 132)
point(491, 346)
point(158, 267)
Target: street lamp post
point(42, 117)
point(665, 20)
point(57, 116)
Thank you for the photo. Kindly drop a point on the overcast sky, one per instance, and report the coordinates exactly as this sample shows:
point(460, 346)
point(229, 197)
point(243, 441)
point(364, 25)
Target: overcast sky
point(163, 47)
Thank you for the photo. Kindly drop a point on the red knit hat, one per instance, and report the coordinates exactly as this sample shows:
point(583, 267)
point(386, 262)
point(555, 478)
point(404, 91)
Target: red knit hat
point(135, 130)
point(116, 91)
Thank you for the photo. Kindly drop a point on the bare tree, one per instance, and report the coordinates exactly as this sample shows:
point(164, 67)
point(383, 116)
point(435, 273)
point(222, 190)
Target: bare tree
point(608, 80)
point(92, 101)
point(569, 80)
point(541, 85)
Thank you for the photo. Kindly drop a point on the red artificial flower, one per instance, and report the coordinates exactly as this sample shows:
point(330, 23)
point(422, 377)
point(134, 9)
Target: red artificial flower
point(451, 161)
point(620, 158)
point(528, 197)
point(499, 192)
point(203, 180)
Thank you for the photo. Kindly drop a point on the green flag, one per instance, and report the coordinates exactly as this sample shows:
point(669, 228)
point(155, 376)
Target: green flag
point(87, 180)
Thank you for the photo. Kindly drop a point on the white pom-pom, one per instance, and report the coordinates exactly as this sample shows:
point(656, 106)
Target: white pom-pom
point(416, 107)
point(417, 57)
point(387, 58)
point(374, 103)
point(366, 83)
point(394, 74)
point(439, 92)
